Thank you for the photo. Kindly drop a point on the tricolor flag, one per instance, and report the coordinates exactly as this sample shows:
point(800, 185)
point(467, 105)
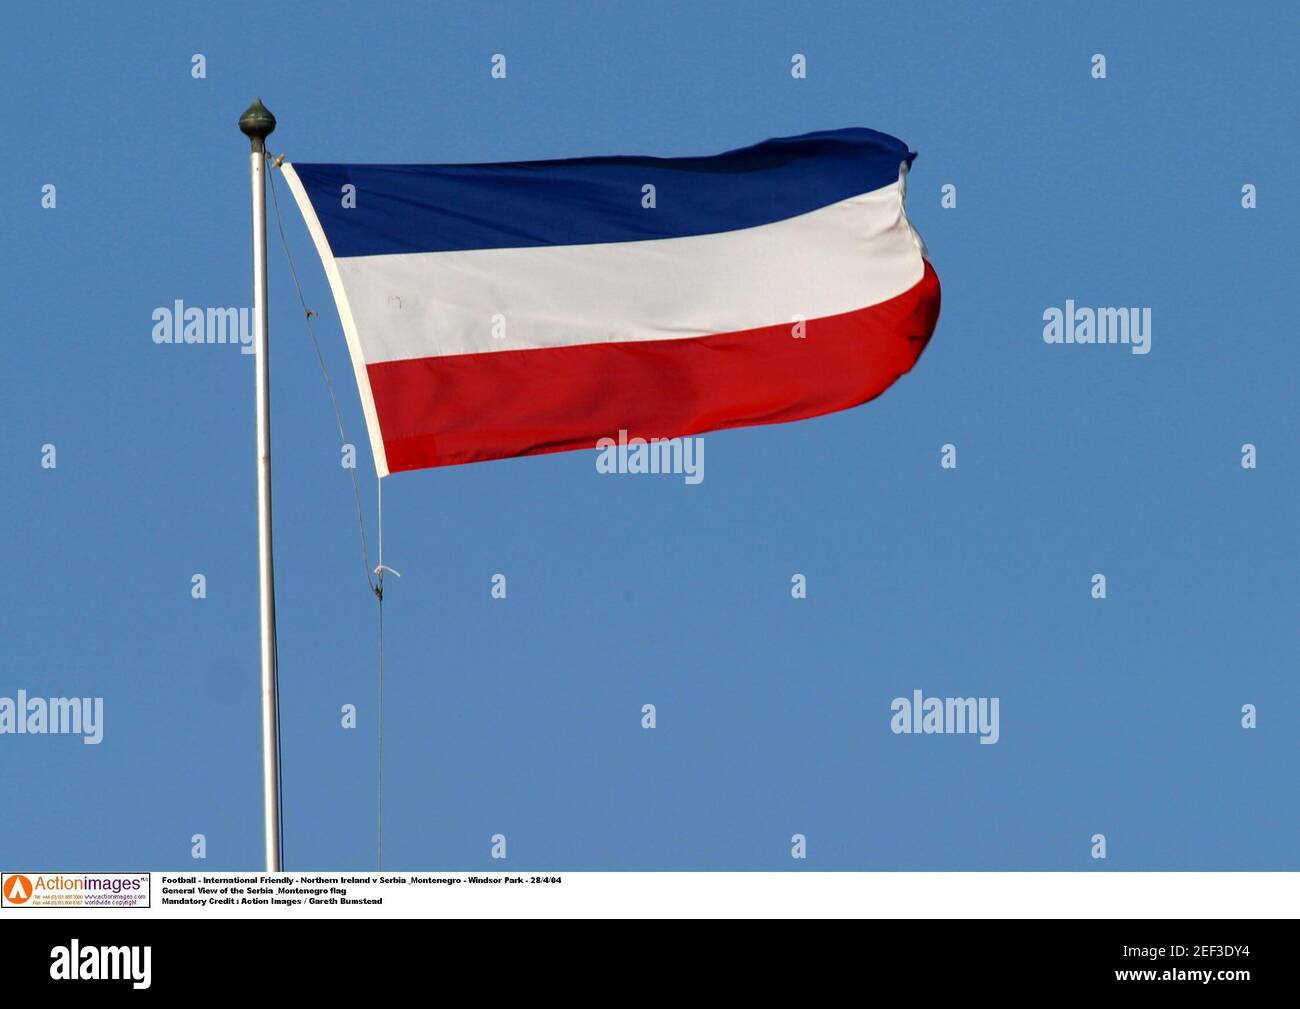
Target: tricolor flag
point(497, 310)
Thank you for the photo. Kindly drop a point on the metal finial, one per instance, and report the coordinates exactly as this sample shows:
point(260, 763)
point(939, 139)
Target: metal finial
point(257, 122)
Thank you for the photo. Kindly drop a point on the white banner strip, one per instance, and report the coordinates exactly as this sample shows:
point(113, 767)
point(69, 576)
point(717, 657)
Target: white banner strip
point(836, 259)
point(534, 894)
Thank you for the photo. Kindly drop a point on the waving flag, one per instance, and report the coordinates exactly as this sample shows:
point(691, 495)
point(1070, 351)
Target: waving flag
point(510, 309)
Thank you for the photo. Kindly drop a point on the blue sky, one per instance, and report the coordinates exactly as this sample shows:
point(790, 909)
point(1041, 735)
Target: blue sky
point(1118, 716)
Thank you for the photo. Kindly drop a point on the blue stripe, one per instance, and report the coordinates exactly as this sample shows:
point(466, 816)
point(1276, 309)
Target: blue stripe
point(580, 201)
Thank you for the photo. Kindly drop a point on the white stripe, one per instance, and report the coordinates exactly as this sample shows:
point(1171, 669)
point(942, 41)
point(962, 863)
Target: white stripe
point(345, 317)
point(835, 259)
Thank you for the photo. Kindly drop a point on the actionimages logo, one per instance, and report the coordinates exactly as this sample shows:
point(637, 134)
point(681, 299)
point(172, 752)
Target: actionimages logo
point(17, 889)
point(74, 889)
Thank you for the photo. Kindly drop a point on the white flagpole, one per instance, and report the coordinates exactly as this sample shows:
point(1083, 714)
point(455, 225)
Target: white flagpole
point(257, 124)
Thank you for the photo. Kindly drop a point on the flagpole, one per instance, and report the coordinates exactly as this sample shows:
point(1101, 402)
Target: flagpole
point(257, 123)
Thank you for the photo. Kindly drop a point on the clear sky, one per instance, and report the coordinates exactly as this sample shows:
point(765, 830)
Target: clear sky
point(522, 716)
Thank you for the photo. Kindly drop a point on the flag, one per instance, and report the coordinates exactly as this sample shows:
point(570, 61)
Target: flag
point(517, 308)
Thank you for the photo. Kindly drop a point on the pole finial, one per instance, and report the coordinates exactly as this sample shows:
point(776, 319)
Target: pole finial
point(257, 122)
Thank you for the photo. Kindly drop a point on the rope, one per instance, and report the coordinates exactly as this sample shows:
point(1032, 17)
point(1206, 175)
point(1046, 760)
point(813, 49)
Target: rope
point(379, 788)
point(380, 569)
point(329, 384)
point(379, 592)
point(376, 583)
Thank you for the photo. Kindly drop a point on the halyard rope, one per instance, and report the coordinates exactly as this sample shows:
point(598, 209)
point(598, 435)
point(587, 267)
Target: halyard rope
point(377, 582)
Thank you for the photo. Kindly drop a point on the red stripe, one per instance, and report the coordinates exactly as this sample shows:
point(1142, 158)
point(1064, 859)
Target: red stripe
point(441, 411)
